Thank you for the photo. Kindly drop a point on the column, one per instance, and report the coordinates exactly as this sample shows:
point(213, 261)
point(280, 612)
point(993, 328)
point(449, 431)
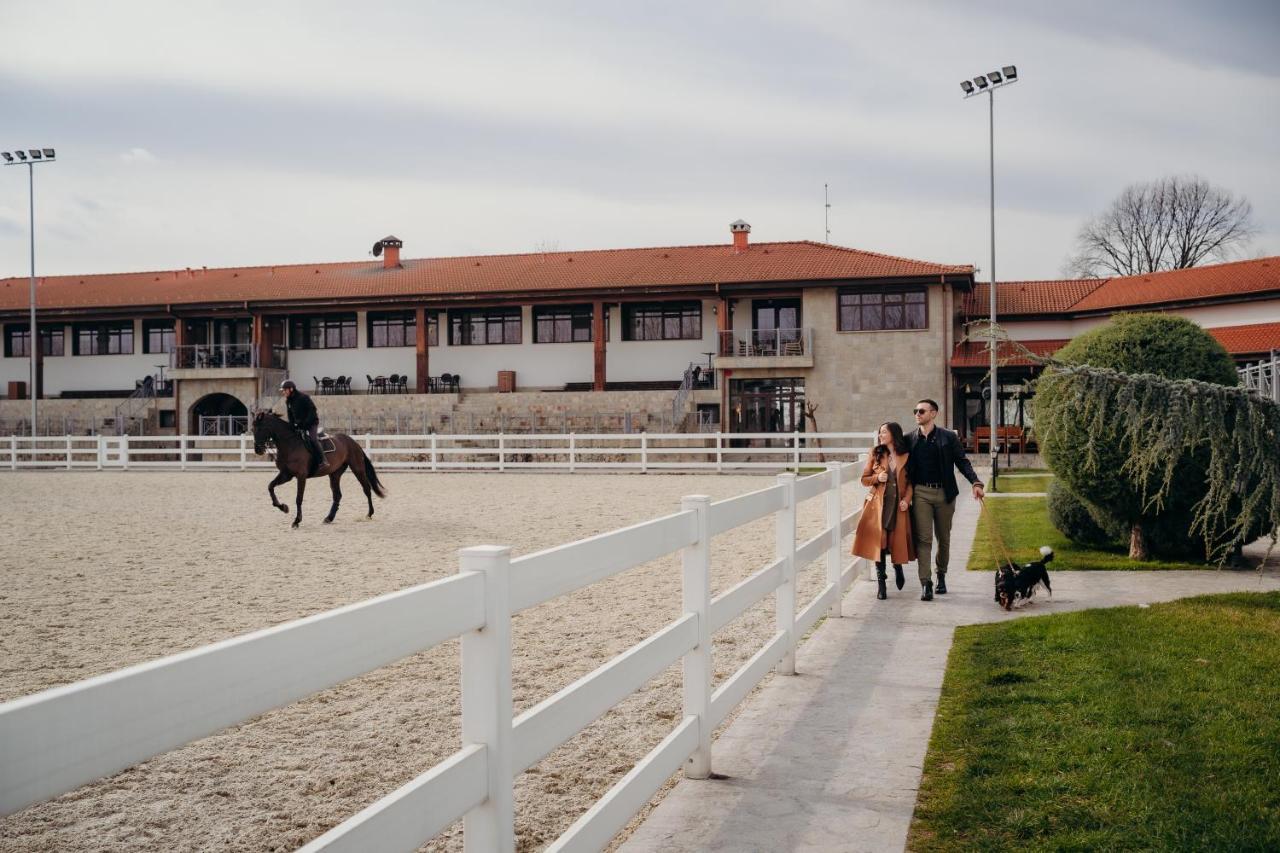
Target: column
point(423, 364)
point(598, 336)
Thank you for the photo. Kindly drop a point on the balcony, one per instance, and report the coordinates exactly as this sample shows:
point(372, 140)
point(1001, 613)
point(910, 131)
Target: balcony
point(771, 348)
point(224, 356)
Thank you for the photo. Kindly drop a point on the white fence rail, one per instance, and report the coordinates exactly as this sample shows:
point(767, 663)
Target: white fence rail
point(1263, 377)
point(440, 452)
point(55, 741)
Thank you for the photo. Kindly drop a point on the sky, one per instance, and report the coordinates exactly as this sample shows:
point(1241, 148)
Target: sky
point(242, 133)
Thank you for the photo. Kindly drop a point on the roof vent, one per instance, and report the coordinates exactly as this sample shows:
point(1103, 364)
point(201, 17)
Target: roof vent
point(740, 230)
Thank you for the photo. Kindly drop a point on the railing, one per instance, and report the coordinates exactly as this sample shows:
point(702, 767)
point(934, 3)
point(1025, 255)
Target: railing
point(767, 343)
point(139, 401)
point(1263, 377)
point(639, 452)
point(202, 356)
point(233, 425)
point(60, 739)
point(678, 412)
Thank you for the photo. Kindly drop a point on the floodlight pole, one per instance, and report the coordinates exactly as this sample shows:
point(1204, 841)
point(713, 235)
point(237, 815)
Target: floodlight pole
point(34, 343)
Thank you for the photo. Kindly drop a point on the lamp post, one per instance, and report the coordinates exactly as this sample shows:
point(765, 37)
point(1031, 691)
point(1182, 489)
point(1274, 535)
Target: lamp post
point(36, 155)
point(980, 85)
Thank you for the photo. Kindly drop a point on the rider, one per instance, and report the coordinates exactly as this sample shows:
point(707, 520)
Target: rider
point(303, 418)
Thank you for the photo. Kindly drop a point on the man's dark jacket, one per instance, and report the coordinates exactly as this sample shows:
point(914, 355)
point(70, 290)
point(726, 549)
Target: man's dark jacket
point(302, 412)
point(951, 455)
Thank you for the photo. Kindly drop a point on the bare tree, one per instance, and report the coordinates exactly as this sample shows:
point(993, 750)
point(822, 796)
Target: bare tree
point(1173, 223)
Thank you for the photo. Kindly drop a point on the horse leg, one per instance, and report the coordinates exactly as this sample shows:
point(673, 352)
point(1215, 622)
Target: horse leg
point(357, 468)
point(302, 487)
point(337, 494)
point(281, 478)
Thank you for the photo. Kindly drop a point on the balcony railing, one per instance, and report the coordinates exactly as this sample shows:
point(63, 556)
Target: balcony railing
point(202, 356)
point(766, 343)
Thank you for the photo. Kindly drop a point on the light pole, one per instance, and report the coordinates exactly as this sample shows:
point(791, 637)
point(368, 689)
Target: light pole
point(37, 155)
point(987, 84)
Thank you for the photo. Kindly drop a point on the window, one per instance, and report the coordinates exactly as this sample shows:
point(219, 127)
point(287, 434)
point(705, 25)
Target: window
point(562, 324)
point(157, 336)
point(104, 338)
point(883, 310)
point(662, 321)
point(393, 329)
point(17, 341)
point(473, 326)
point(323, 331)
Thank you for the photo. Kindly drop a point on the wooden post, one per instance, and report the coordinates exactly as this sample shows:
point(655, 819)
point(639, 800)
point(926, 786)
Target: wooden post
point(598, 337)
point(261, 344)
point(785, 549)
point(486, 702)
point(697, 663)
point(423, 363)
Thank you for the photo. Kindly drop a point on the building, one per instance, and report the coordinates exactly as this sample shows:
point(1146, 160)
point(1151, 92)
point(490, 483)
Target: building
point(754, 337)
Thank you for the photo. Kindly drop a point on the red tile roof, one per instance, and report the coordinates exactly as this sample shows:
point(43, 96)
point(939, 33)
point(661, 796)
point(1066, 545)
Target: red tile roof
point(1238, 278)
point(443, 277)
point(973, 354)
point(1078, 296)
point(1243, 340)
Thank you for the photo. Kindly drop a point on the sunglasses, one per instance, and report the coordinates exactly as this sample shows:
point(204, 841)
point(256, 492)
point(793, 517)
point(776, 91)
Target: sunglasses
point(921, 411)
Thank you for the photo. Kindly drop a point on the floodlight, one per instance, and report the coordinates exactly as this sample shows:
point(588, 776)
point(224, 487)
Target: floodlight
point(35, 154)
point(994, 76)
point(1010, 72)
point(967, 86)
point(980, 81)
point(7, 156)
point(21, 156)
point(48, 153)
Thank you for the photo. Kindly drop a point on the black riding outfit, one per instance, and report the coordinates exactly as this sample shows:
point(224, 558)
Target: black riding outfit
point(304, 418)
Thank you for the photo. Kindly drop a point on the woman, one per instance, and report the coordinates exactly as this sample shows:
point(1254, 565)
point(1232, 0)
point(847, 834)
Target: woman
point(885, 525)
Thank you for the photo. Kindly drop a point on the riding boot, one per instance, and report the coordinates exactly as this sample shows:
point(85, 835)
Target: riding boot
point(880, 579)
point(942, 583)
point(898, 579)
point(927, 593)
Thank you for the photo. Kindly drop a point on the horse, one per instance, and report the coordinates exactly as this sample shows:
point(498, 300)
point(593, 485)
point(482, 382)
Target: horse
point(294, 461)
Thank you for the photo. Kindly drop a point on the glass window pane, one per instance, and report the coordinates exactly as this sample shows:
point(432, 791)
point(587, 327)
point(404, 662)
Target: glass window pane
point(892, 315)
point(916, 318)
point(872, 317)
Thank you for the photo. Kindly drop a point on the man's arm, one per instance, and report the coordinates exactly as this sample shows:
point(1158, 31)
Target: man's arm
point(964, 466)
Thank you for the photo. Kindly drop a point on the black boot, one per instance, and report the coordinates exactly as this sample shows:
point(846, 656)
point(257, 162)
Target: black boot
point(898, 579)
point(942, 583)
point(927, 593)
point(880, 579)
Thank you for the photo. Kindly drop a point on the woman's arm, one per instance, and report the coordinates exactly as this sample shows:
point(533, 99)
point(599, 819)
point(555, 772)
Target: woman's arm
point(869, 473)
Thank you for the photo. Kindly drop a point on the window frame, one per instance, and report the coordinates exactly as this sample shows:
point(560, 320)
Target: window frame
point(659, 317)
point(464, 322)
point(102, 334)
point(573, 314)
point(149, 326)
point(405, 321)
point(50, 333)
point(902, 300)
point(314, 331)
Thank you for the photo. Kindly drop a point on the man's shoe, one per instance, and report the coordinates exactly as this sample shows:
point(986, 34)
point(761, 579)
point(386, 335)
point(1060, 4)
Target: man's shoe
point(942, 583)
point(898, 579)
point(927, 593)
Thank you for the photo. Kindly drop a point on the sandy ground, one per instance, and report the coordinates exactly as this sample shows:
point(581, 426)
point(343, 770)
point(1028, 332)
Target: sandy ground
point(105, 570)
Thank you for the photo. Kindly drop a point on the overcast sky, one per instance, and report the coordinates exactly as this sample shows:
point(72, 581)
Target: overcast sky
point(234, 133)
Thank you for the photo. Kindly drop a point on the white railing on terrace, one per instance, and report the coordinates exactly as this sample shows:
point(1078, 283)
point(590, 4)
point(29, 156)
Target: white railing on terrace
point(641, 452)
point(771, 343)
point(209, 356)
point(1263, 377)
point(55, 741)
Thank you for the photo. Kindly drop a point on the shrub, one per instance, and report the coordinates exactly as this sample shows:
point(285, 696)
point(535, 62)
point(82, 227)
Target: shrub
point(1078, 521)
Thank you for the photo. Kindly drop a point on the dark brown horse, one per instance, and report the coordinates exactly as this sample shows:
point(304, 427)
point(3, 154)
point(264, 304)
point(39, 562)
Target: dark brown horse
point(294, 461)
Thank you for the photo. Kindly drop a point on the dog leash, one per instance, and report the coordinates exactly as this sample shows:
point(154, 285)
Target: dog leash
point(993, 534)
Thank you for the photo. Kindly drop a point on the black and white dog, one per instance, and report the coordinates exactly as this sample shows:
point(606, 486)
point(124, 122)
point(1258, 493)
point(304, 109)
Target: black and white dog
point(1013, 583)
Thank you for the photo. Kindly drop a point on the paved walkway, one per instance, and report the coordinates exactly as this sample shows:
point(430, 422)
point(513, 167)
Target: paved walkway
point(830, 759)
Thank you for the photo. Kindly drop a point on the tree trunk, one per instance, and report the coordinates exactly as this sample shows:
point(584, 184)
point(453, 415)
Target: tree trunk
point(1138, 544)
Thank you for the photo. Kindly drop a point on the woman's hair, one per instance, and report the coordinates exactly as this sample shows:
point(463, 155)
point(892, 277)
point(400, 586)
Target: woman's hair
point(895, 435)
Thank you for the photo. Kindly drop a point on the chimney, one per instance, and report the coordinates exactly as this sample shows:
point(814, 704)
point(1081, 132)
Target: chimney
point(740, 230)
point(389, 248)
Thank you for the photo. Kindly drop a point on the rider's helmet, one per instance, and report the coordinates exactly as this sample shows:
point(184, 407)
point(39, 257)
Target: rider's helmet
point(288, 385)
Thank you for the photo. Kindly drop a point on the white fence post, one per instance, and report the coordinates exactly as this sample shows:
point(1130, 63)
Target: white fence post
point(795, 445)
point(182, 451)
point(486, 702)
point(13, 453)
point(102, 450)
point(644, 453)
point(785, 549)
point(68, 451)
point(833, 553)
point(124, 452)
point(502, 453)
point(698, 664)
point(720, 452)
point(573, 448)
point(433, 452)
point(243, 451)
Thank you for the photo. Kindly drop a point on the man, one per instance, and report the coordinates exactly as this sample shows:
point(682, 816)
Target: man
point(303, 418)
point(935, 451)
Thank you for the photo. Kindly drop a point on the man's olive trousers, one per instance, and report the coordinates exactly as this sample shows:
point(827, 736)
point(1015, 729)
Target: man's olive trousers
point(930, 520)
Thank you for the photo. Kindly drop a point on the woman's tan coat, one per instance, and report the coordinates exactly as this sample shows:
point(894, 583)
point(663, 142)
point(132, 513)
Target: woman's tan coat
point(870, 537)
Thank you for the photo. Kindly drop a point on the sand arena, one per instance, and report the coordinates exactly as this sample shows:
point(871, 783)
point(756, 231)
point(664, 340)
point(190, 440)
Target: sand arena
point(111, 569)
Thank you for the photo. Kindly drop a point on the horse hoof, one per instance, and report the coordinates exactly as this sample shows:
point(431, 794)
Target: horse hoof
point(282, 507)
point(295, 525)
point(328, 521)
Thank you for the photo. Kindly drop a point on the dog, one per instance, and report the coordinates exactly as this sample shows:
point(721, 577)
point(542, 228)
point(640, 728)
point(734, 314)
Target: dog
point(1013, 583)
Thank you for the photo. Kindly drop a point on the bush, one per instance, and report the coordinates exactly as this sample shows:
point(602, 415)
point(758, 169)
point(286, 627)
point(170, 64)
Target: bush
point(1171, 347)
point(1078, 521)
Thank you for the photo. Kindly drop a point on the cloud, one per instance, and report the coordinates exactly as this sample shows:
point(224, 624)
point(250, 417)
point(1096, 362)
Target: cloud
point(138, 155)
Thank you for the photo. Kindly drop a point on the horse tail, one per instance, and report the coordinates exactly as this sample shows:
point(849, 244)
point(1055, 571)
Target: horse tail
point(372, 474)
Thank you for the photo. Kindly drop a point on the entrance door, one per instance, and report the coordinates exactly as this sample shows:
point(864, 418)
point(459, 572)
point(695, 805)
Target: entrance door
point(766, 405)
point(775, 322)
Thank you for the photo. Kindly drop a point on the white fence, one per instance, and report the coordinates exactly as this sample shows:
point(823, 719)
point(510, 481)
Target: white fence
point(438, 452)
point(1263, 377)
point(55, 741)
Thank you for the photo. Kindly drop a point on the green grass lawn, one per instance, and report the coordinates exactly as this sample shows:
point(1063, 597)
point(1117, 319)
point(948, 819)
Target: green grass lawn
point(1038, 483)
point(1118, 729)
point(1024, 525)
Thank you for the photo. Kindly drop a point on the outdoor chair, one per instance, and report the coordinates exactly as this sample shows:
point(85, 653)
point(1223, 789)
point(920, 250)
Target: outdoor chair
point(343, 385)
point(393, 383)
point(326, 385)
point(372, 387)
point(446, 382)
point(317, 384)
point(792, 348)
point(404, 383)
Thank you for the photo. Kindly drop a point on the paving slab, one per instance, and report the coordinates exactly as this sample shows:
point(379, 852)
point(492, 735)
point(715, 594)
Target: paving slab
point(830, 759)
